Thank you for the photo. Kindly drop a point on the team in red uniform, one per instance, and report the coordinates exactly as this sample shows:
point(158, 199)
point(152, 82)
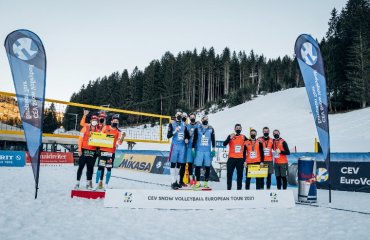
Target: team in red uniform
point(281, 150)
point(107, 155)
point(236, 157)
point(87, 154)
point(267, 143)
point(254, 156)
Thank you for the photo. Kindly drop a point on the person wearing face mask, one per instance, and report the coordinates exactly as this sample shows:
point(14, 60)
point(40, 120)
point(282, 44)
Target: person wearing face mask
point(204, 143)
point(101, 119)
point(236, 159)
point(106, 159)
point(179, 134)
point(267, 143)
point(254, 155)
point(184, 117)
point(189, 154)
point(87, 154)
point(280, 151)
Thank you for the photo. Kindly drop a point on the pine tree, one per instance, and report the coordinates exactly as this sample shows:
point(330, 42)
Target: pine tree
point(50, 120)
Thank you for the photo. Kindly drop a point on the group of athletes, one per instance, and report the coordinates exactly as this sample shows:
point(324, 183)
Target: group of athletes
point(194, 143)
point(88, 154)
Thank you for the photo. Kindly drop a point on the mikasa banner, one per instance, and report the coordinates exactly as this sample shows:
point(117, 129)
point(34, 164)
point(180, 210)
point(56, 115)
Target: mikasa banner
point(183, 199)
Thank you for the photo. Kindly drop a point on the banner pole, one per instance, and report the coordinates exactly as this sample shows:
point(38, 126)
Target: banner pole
point(329, 178)
point(36, 188)
point(38, 169)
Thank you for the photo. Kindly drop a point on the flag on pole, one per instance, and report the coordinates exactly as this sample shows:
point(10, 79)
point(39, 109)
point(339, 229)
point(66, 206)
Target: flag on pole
point(27, 59)
point(310, 61)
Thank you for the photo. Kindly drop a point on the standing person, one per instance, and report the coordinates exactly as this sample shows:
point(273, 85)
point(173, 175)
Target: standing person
point(254, 156)
point(86, 153)
point(281, 150)
point(267, 143)
point(178, 132)
point(191, 127)
point(107, 155)
point(204, 143)
point(236, 157)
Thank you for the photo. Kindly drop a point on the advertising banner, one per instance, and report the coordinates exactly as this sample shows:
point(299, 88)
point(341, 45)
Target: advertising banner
point(12, 159)
point(27, 60)
point(345, 176)
point(169, 199)
point(137, 162)
point(54, 158)
point(311, 63)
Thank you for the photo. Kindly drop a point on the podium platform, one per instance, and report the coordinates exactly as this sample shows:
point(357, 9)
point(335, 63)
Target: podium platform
point(216, 199)
point(87, 194)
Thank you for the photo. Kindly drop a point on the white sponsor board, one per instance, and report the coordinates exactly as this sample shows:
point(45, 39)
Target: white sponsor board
point(171, 199)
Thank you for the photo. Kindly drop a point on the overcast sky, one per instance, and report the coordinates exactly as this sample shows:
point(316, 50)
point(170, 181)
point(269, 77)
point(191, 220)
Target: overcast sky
point(87, 39)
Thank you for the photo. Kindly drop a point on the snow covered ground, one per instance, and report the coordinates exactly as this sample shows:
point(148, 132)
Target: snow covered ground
point(290, 112)
point(54, 215)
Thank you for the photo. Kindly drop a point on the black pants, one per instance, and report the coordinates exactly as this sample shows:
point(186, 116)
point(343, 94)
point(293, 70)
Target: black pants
point(182, 172)
point(206, 175)
point(268, 181)
point(259, 181)
point(87, 158)
point(281, 179)
point(190, 169)
point(231, 164)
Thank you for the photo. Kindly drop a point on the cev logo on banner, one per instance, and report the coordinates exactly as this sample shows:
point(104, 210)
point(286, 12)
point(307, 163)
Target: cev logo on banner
point(322, 175)
point(309, 53)
point(25, 49)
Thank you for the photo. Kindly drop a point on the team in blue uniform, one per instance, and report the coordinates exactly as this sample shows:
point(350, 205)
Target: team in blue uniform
point(178, 132)
point(191, 127)
point(204, 146)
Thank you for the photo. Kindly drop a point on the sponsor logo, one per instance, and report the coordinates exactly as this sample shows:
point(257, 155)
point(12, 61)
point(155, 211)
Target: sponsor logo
point(349, 170)
point(6, 157)
point(159, 164)
point(274, 197)
point(18, 157)
point(127, 197)
point(304, 176)
point(57, 157)
point(167, 165)
point(322, 175)
point(25, 49)
point(309, 53)
point(135, 165)
point(355, 181)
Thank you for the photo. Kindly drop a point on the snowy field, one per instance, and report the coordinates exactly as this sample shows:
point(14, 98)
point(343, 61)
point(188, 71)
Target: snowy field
point(290, 112)
point(54, 215)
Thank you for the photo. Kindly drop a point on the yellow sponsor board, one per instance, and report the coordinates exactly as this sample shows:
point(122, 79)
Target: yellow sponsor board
point(101, 140)
point(257, 171)
point(137, 162)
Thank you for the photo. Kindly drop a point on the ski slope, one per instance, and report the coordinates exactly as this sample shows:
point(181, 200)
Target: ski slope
point(290, 112)
point(54, 215)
